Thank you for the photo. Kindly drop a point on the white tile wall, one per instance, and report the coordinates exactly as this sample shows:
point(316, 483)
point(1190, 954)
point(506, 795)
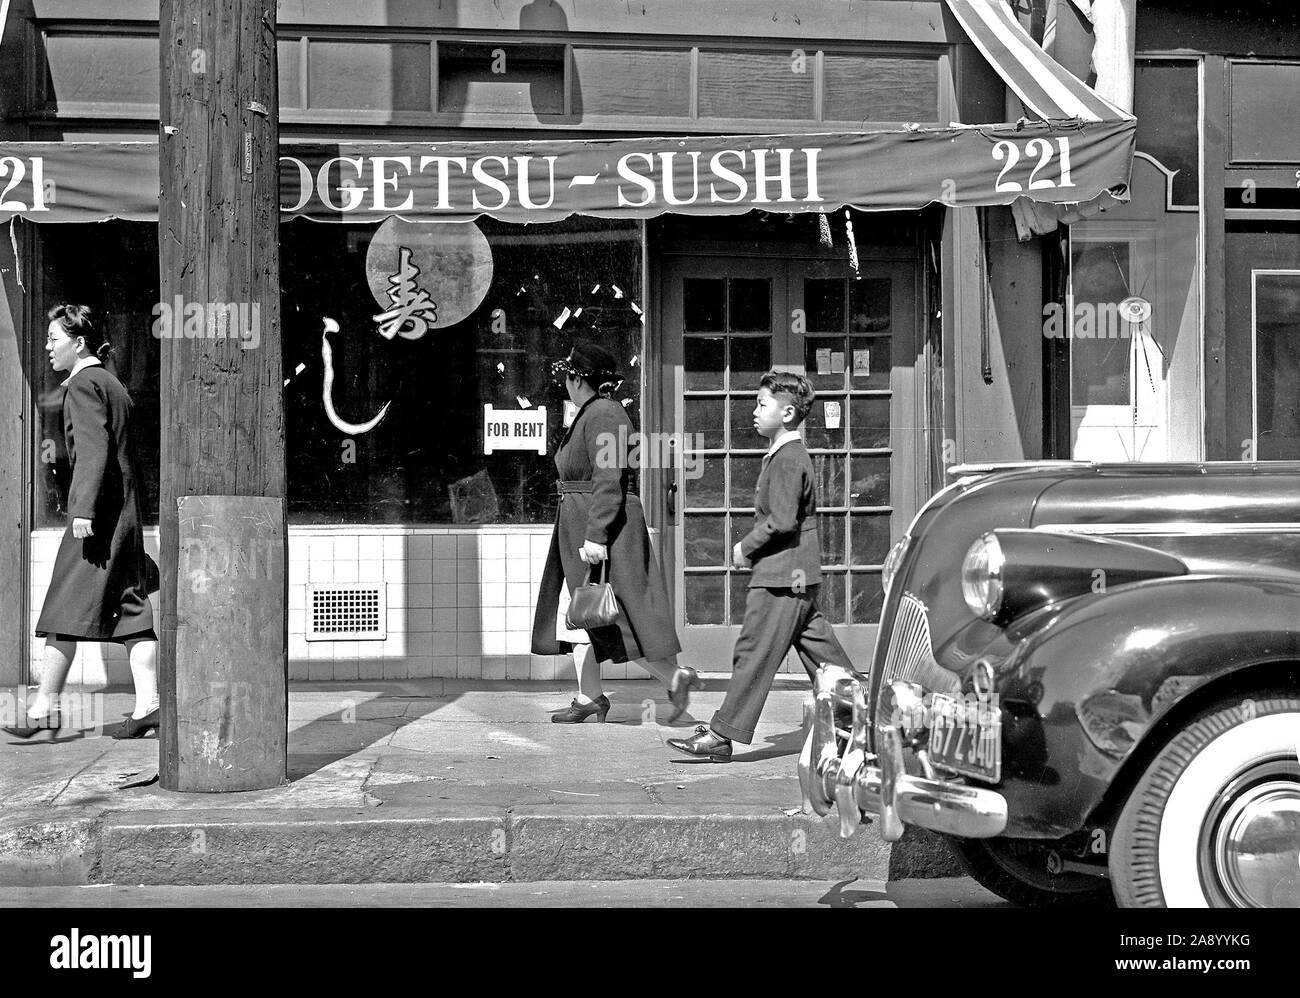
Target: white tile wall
point(460, 604)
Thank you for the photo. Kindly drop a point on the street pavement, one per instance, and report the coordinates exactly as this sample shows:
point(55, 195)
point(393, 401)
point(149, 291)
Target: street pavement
point(941, 893)
point(429, 781)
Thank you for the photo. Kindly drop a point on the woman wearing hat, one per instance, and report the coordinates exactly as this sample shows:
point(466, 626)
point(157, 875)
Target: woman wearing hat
point(99, 590)
point(600, 520)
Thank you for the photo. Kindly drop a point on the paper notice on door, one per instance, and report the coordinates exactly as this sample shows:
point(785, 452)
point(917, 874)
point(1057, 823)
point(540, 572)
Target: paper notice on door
point(837, 362)
point(824, 361)
point(831, 410)
point(862, 363)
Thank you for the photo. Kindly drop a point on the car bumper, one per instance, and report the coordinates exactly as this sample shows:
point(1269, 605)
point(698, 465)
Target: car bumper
point(836, 770)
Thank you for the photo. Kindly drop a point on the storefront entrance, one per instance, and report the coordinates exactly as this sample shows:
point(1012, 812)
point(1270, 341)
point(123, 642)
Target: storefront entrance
point(727, 320)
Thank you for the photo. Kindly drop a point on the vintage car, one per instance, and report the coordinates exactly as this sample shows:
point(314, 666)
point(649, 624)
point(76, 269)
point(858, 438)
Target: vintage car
point(1087, 677)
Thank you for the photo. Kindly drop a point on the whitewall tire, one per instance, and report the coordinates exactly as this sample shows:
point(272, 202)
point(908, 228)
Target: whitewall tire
point(1214, 822)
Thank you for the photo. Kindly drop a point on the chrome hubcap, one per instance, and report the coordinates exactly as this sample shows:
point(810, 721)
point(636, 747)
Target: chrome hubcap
point(1254, 840)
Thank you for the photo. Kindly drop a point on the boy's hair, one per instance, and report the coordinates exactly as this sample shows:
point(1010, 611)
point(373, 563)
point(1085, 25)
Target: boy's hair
point(790, 389)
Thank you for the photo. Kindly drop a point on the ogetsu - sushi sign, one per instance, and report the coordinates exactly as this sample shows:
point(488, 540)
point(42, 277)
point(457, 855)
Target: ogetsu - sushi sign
point(583, 177)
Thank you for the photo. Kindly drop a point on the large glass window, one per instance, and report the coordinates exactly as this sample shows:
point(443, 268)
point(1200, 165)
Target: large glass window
point(112, 267)
point(428, 324)
point(1167, 104)
point(508, 300)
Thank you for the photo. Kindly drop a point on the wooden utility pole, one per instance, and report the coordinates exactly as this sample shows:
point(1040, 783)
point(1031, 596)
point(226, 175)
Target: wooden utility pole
point(222, 663)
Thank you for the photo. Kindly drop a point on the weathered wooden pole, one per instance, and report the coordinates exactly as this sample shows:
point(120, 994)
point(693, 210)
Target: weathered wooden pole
point(222, 663)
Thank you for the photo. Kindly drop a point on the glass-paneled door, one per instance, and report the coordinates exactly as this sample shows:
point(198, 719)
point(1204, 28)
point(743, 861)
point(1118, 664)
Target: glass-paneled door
point(726, 322)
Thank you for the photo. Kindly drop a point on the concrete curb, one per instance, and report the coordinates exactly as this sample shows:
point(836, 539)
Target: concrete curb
point(346, 846)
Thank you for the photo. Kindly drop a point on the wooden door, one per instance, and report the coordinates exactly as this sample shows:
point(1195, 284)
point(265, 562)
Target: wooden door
point(726, 322)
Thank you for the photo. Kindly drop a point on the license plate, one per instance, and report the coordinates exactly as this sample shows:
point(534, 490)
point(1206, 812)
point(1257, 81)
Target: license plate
point(966, 738)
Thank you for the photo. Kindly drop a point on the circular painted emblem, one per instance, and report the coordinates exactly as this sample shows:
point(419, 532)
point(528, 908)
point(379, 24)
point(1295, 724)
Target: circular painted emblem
point(427, 275)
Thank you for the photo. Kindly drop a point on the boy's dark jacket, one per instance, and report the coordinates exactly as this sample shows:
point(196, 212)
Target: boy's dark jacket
point(784, 540)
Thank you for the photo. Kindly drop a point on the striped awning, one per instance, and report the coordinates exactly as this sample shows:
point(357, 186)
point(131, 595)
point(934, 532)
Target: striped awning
point(1045, 87)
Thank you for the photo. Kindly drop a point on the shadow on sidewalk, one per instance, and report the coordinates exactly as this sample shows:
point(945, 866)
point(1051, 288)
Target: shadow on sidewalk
point(367, 712)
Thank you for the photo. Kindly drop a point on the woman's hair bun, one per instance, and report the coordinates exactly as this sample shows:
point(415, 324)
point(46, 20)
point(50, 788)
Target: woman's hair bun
point(78, 320)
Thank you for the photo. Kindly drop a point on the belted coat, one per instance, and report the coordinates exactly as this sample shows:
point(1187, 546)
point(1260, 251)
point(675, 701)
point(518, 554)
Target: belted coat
point(593, 454)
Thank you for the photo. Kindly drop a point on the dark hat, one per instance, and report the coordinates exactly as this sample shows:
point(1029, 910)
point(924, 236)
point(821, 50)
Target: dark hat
point(589, 361)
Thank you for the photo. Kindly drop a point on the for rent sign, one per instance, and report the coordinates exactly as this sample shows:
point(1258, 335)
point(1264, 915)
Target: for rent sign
point(514, 429)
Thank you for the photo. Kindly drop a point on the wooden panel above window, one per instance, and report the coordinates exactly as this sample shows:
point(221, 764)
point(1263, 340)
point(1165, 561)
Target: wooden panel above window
point(520, 81)
point(653, 81)
point(864, 88)
point(757, 84)
point(369, 76)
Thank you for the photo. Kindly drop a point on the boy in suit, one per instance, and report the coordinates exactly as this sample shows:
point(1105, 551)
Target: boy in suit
point(784, 552)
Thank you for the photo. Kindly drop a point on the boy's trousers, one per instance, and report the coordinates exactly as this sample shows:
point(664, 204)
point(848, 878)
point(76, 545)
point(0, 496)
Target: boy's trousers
point(775, 621)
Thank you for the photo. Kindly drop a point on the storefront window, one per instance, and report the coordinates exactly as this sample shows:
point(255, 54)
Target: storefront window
point(425, 324)
point(1167, 104)
point(503, 301)
point(112, 267)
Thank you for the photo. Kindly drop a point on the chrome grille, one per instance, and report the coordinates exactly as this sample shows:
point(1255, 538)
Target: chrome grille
point(909, 641)
point(910, 656)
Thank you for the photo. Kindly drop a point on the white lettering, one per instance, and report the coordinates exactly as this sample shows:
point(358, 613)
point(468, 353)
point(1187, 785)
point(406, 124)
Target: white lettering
point(382, 182)
point(729, 176)
point(498, 185)
point(627, 173)
point(525, 194)
point(670, 194)
point(444, 182)
point(762, 179)
point(355, 195)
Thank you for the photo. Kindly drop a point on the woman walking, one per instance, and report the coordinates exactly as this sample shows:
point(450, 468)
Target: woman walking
point(98, 591)
point(599, 520)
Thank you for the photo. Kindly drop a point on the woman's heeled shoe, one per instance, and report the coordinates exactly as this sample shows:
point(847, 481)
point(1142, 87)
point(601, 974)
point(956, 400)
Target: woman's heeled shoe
point(138, 727)
point(579, 712)
point(685, 679)
point(50, 723)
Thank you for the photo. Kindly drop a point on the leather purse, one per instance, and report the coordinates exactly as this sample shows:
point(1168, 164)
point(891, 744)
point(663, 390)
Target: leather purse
point(593, 603)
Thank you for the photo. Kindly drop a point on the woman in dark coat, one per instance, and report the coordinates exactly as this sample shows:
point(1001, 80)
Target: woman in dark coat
point(98, 591)
point(599, 519)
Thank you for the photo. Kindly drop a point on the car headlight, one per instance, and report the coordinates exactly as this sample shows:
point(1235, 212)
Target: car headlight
point(892, 561)
point(981, 577)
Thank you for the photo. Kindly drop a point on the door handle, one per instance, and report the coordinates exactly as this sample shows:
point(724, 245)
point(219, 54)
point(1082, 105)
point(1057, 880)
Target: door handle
point(672, 499)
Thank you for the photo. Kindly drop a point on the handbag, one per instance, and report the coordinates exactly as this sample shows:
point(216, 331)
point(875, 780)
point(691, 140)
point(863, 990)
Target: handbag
point(593, 603)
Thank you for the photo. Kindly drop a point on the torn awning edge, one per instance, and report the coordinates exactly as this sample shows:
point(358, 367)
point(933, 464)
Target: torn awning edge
point(1063, 162)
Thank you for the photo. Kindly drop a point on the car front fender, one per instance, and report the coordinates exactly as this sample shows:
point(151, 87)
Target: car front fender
point(1087, 682)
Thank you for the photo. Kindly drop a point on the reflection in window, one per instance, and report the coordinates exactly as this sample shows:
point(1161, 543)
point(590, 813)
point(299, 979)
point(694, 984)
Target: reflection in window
point(113, 268)
point(1099, 366)
point(1167, 104)
point(1277, 364)
point(550, 286)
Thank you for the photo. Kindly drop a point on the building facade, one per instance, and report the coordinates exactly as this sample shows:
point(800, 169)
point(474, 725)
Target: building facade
point(935, 334)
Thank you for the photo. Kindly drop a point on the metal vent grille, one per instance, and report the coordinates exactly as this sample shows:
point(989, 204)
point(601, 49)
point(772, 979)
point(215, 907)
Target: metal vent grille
point(346, 613)
point(910, 656)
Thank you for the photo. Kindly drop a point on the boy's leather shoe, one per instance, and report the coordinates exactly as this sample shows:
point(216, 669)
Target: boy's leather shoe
point(705, 744)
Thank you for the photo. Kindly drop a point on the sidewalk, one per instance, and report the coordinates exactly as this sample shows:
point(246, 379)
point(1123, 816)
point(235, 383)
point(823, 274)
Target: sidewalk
point(449, 781)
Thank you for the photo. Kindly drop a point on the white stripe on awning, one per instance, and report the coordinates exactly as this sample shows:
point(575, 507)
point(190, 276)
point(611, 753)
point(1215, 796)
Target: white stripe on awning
point(1046, 88)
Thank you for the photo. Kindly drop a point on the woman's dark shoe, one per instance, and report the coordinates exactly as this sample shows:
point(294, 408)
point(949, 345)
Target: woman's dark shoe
point(685, 679)
point(704, 744)
point(579, 712)
point(137, 727)
point(34, 726)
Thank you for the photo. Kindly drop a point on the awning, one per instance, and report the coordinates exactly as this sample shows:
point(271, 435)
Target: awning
point(1081, 149)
